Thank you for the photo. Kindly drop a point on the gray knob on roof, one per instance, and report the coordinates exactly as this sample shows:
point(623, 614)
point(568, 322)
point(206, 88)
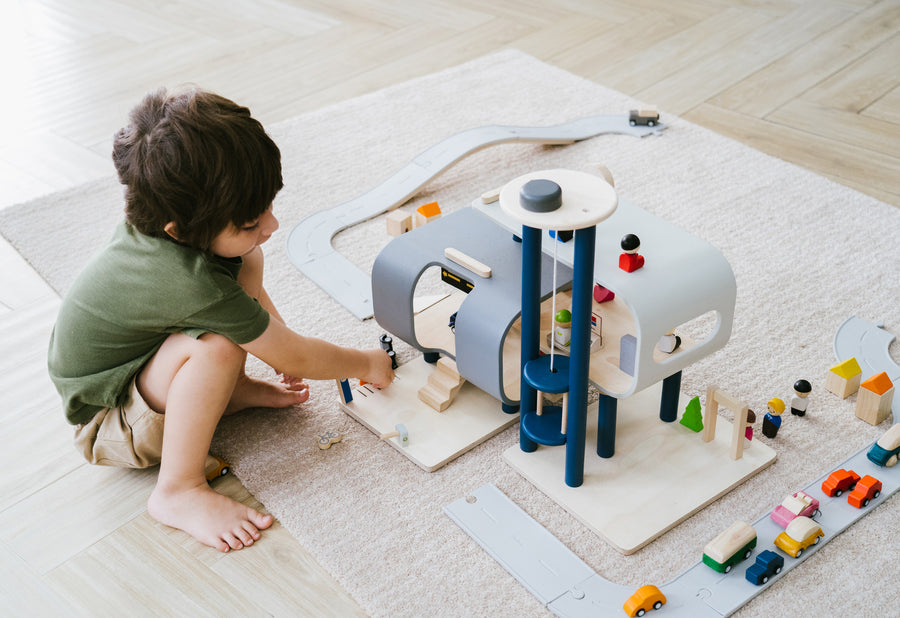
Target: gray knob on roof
point(540, 196)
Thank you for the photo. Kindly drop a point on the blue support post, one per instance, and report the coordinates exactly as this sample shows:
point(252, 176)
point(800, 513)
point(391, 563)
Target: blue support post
point(579, 354)
point(531, 322)
point(668, 404)
point(606, 426)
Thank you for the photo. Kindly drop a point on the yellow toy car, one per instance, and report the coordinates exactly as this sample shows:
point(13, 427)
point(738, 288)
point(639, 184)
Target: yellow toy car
point(644, 599)
point(799, 534)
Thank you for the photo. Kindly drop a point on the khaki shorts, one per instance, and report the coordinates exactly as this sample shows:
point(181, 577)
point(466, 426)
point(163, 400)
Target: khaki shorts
point(129, 436)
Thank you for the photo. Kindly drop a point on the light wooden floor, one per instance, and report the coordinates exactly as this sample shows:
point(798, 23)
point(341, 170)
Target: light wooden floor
point(814, 82)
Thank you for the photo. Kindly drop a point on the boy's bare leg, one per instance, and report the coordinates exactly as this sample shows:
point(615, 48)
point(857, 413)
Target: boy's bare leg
point(193, 380)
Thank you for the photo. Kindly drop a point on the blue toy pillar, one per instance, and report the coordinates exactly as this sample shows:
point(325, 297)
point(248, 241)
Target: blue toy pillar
point(606, 425)
point(668, 405)
point(531, 324)
point(580, 355)
point(559, 200)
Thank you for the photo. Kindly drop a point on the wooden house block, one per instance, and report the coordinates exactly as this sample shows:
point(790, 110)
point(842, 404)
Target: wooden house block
point(398, 222)
point(427, 213)
point(873, 404)
point(843, 379)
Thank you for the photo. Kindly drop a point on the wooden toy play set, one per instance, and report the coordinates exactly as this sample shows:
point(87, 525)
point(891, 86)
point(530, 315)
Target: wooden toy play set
point(542, 289)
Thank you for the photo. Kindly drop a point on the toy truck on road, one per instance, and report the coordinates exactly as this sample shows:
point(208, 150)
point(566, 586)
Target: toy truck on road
point(733, 545)
point(767, 564)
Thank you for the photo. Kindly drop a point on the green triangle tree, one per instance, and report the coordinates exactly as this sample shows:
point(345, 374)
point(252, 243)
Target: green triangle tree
point(693, 416)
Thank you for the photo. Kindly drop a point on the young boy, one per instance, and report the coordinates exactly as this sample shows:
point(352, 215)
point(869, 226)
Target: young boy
point(149, 347)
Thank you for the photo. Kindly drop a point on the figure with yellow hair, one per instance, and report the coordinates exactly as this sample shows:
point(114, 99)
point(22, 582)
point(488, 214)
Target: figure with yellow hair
point(772, 420)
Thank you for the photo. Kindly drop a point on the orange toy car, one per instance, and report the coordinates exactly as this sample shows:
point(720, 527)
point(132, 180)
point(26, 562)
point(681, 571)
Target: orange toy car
point(839, 481)
point(868, 488)
point(645, 598)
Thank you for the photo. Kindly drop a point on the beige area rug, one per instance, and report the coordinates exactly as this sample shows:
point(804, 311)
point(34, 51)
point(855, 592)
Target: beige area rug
point(807, 253)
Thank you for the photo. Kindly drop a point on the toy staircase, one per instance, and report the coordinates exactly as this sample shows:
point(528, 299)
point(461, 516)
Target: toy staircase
point(443, 384)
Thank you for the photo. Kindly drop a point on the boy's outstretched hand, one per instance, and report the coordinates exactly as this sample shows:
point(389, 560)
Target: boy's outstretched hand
point(380, 373)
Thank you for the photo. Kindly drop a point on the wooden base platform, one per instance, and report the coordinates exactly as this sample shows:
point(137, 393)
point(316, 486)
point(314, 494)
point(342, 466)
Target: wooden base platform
point(661, 473)
point(435, 438)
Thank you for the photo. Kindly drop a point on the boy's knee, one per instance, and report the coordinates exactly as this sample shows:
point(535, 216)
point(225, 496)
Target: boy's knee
point(221, 349)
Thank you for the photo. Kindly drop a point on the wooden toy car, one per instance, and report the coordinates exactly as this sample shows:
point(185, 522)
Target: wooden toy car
point(799, 534)
point(767, 564)
point(839, 481)
point(794, 506)
point(886, 449)
point(733, 545)
point(215, 467)
point(644, 599)
point(647, 116)
point(868, 488)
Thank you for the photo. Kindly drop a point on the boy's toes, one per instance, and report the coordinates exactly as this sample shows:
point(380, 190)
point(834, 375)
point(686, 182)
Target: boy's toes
point(232, 541)
point(260, 520)
point(252, 531)
point(244, 536)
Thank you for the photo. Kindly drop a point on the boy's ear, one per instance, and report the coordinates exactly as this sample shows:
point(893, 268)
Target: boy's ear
point(171, 230)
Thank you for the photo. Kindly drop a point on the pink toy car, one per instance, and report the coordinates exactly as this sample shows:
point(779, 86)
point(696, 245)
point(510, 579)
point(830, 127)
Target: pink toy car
point(796, 505)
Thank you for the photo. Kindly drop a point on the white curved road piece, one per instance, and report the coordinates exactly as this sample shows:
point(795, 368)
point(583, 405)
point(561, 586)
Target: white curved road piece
point(309, 242)
point(870, 345)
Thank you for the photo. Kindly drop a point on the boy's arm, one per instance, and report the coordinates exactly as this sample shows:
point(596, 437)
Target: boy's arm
point(293, 354)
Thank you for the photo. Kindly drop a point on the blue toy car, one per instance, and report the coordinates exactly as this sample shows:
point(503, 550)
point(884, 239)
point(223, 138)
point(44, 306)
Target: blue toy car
point(767, 564)
point(887, 448)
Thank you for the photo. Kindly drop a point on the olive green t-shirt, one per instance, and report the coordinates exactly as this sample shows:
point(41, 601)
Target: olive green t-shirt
point(129, 298)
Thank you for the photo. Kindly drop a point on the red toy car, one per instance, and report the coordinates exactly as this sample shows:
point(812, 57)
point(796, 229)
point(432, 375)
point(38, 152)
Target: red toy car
point(839, 481)
point(868, 488)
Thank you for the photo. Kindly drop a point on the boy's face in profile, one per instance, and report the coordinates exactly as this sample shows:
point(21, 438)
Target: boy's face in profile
point(239, 241)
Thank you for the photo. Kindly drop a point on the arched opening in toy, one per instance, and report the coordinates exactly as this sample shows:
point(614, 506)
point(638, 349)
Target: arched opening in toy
point(436, 299)
point(683, 337)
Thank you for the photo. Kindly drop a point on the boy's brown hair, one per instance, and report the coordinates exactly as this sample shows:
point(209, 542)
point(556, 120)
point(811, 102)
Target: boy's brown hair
point(198, 160)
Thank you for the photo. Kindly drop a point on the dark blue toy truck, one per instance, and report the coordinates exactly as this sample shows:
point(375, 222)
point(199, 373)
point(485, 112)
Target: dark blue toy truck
point(767, 564)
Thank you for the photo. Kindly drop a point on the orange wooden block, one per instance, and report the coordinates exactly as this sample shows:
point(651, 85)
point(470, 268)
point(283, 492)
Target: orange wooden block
point(427, 213)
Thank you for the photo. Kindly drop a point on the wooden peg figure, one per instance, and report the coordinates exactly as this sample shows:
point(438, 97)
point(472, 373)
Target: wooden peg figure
point(562, 328)
point(800, 400)
point(669, 342)
point(630, 260)
point(772, 419)
point(748, 429)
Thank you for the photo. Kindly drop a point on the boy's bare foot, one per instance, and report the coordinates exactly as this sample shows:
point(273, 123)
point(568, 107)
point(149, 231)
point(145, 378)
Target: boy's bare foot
point(209, 517)
point(252, 393)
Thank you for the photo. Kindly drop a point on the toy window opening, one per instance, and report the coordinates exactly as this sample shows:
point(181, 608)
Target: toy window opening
point(685, 336)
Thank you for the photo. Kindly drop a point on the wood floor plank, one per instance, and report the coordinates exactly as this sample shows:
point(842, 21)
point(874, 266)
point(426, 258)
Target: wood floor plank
point(24, 592)
point(887, 108)
point(63, 519)
point(818, 154)
point(863, 82)
point(794, 73)
point(618, 44)
point(37, 451)
point(685, 48)
point(449, 52)
point(686, 88)
point(574, 31)
point(139, 568)
point(840, 125)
